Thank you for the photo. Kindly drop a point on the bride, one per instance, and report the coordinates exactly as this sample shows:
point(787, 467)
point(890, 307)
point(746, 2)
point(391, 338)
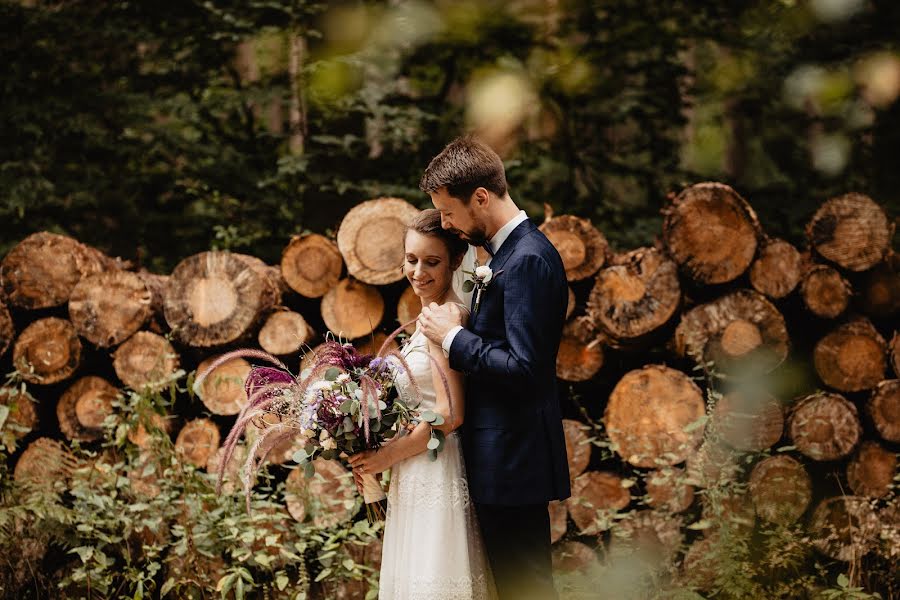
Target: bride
point(432, 543)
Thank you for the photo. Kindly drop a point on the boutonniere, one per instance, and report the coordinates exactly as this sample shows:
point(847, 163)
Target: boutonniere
point(480, 278)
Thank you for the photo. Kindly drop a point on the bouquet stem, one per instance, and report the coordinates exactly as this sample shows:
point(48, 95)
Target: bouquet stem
point(374, 497)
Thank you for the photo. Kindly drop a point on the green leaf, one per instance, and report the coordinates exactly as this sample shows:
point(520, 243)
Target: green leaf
point(309, 470)
point(433, 443)
point(348, 564)
point(332, 373)
point(468, 285)
point(281, 581)
point(167, 587)
point(300, 456)
point(323, 574)
point(347, 407)
point(428, 416)
point(4, 412)
point(438, 419)
point(843, 580)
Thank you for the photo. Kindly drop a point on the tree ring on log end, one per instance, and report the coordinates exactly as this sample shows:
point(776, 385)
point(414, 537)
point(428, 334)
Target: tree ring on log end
point(740, 337)
point(852, 357)
point(580, 245)
point(824, 426)
point(851, 231)
point(352, 309)
point(780, 489)
point(47, 351)
point(370, 239)
point(311, 265)
point(884, 409)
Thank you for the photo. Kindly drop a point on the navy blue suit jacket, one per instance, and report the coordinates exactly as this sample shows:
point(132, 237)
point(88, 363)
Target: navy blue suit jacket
point(512, 435)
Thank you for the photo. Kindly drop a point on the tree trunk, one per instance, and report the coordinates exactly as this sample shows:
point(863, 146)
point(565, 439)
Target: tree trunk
point(851, 231)
point(311, 265)
point(146, 361)
point(635, 296)
point(740, 331)
point(580, 354)
point(748, 421)
point(7, 329)
point(777, 269)
point(197, 441)
point(648, 412)
point(223, 392)
point(326, 499)
point(668, 490)
point(42, 270)
point(352, 309)
point(83, 407)
point(871, 471)
point(408, 308)
point(284, 333)
point(711, 232)
point(880, 293)
point(824, 426)
point(371, 239)
point(582, 247)
point(780, 489)
point(884, 409)
point(216, 298)
point(109, 307)
point(22, 418)
point(297, 113)
point(47, 351)
point(825, 293)
point(596, 491)
point(578, 447)
point(844, 528)
point(852, 357)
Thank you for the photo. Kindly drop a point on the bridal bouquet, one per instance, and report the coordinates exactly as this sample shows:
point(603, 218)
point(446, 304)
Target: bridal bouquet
point(344, 403)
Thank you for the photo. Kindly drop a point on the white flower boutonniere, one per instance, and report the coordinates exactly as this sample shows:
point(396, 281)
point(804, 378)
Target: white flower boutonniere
point(481, 277)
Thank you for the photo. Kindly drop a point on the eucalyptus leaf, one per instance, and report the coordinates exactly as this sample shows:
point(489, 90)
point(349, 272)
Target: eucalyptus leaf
point(332, 373)
point(468, 285)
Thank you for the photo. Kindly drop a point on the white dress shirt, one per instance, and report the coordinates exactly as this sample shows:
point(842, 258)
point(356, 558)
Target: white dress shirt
point(495, 242)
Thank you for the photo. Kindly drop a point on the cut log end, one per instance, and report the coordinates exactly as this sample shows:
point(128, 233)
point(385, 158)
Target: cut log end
point(578, 447)
point(748, 421)
point(592, 492)
point(47, 351)
point(824, 426)
point(825, 293)
point(895, 353)
point(107, 308)
point(222, 391)
point(408, 308)
point(777, 269)
point(852, 357)
point(371, 238)
point(668, 490)
point(311, 265)
point(580, 245)
point(580, 354)
point(880, 290)
point(7, 329)
point(871, 471)
point(844, 528)
point(851, 231)
point(197, 441)
point(884, 409)
point(352, 309)
point(327, 498)
point(284, 332)
point(780, 489)
point(146, 361)
point(84, 407)
point(22, 418)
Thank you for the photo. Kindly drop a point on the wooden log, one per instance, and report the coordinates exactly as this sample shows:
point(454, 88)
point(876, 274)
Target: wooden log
point(668, 490)
point(780, 489)
point(713, 464)
point(147, 426)
point(284, 332)
point(880, 289)
point(41, 270)
point(889, 517)
point(197, 441)
point(145, 362)
point(327, 499)
point(573, 557)
point(582, 247)
point(825, 293)
point(654, 536)
point(47, 351)
point(559, 516)
point(371, 344)
point(311, 264)
point(84, 406)
point(578, 446)
point(648, 412)
point(850, 231)
point(884, 409)
point(595, 496)
point(699, 567)
point(853, 357)
point(408, 308)
point(777, 269)
point(109, 307)
point(844, 528)
point(824, 426)
point(871, 471)
point(711, 232)
point(742, 333)
point(728, 509)
point(45, 463)
point(570, 304)
point(156, 285)
point(215, 298)
point(895, 353)
point(580, 354)
point(748, 421)
point(222, 392)
point(352, 309)
point(309, 358)
point(371, 238)
point(22, 417)
point(635, 296)
point(7, 329)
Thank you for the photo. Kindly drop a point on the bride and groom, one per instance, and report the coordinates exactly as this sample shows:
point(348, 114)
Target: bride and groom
point(474, 522)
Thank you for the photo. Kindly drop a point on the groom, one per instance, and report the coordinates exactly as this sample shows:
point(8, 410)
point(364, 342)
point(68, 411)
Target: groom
point(512, 437)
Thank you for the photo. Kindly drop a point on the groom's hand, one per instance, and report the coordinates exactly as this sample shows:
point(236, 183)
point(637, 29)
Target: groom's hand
point(436, 320)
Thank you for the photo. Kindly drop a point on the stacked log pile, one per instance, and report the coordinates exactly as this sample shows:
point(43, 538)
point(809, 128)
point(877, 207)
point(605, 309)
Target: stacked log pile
point(718, 340)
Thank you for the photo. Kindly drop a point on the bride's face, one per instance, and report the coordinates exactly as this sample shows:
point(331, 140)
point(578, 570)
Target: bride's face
point(427, 265)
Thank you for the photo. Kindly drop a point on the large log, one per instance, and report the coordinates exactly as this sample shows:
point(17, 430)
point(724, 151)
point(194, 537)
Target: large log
point(853, 357)
point(41, 270)
point(740, 332)
point(156, 285)
point(47, 351)
point(352, 309)
point(83, 408)
point(7, 329)
point(871, 471)
point(851, 231)
point(223, 392)
point(711, 232)
point(780, 489)
point(327, 499)
point(825, 292)
point(748, 421)
point(215, 298)
point(844, 528)
point(371, 344)
point(581, 246)
point(668, 490)
point(284, 332)
point(880, 288)
point(595, 496)
point(824, 426)
point(145, 362)
point(580, 354)
point(371, 238)
point(648, 412)
point(728, 509)
point(635, 296)
point(408, 308)
point(777, 269)
point(144, 431)
point(22, 418)
point(197, 441)
point(578, 447)
point(311, 264)
point(884, 409)
point(109, 307)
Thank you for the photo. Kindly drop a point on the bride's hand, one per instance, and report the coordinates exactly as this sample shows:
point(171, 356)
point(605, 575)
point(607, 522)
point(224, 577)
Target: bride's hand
point(371, 461)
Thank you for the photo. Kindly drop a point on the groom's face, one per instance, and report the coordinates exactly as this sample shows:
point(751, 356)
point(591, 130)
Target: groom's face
point(459, 217)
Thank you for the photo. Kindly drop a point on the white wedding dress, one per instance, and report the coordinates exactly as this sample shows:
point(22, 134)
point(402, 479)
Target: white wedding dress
point(432, 543)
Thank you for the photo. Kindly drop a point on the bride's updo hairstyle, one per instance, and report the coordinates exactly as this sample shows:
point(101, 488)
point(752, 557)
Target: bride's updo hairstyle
point(428, 222)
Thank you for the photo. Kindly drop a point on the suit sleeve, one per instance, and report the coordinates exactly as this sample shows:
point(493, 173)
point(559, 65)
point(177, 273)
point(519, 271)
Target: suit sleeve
point(530, 310)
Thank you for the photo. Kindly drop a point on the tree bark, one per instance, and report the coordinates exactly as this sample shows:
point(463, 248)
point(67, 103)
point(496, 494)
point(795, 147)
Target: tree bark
point(109, 307)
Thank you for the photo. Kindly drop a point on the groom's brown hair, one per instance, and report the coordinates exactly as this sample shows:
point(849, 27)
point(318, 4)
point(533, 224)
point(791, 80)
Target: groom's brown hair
point(464, 165)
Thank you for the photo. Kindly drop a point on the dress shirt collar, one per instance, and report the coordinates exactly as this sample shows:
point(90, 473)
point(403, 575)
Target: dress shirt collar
point(503, 233)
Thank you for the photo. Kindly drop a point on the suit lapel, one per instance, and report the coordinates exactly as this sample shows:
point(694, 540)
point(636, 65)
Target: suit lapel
point(506, 250)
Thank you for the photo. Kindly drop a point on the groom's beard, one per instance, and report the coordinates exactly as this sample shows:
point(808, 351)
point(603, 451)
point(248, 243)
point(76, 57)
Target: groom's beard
point(476, 237)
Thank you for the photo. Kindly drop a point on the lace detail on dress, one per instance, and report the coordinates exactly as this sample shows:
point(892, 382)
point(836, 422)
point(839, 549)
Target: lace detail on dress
point(419, 491)
point(423, 587)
